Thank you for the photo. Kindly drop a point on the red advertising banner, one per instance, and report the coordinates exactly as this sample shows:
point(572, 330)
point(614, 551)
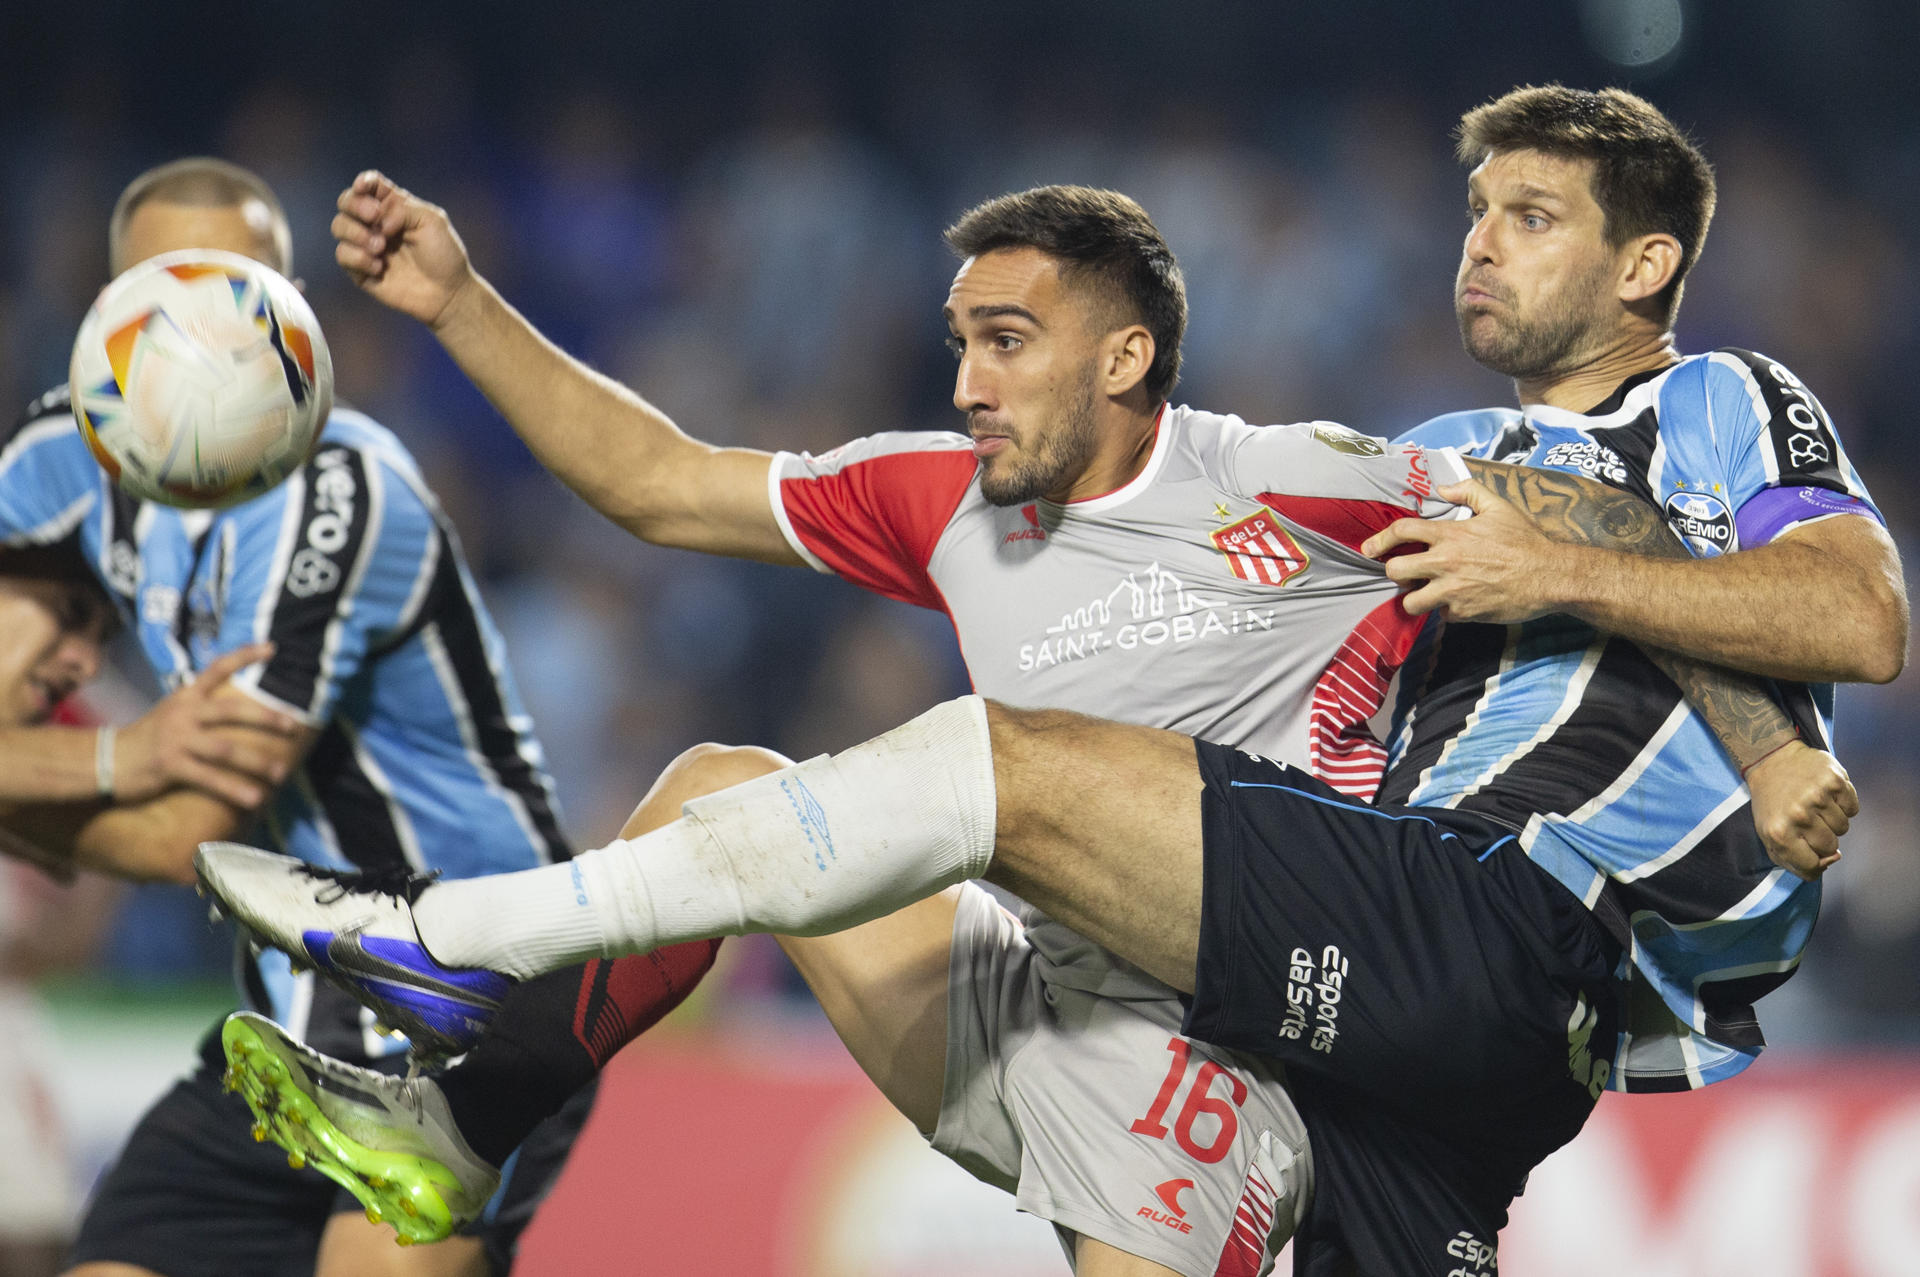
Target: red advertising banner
point(707, 1156)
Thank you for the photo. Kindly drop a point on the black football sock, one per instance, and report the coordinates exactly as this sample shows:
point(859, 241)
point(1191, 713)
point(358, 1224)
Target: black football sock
point(554, 1033)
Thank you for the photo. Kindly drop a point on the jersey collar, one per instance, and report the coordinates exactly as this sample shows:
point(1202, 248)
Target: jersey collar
point(1132, 487)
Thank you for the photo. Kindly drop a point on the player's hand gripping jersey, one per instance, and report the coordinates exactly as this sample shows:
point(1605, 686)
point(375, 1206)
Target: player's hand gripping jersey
point(424, 758)
point(1573, 737)
point(1221, 593)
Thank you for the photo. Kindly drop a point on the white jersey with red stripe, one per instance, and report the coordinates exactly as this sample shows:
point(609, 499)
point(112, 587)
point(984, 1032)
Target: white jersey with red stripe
point(1220, 593)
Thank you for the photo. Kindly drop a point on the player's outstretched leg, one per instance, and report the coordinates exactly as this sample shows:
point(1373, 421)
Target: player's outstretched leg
point(810, 849)
point(1098, 823)
point(372, 954)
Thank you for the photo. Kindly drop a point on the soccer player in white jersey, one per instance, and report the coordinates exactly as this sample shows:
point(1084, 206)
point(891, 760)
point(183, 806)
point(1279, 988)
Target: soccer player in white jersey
point(1100, 824)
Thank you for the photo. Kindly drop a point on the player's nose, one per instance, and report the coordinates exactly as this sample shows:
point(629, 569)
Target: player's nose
point(972, 387)
point(78, 658)
point(1480, 245)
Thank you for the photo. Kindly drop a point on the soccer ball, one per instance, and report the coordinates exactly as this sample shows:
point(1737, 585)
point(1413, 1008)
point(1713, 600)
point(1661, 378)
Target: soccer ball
point(200, 378)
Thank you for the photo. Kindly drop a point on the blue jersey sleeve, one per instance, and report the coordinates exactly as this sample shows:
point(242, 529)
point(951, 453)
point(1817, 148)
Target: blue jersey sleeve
point(48, 483)
point(331, 571)
point(1774, 445)
point(1490, 433)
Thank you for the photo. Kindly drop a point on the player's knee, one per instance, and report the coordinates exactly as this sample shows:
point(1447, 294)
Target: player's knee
point(1028, 740)
point(708, 768)
point(1017, 732)
point(1019, 739)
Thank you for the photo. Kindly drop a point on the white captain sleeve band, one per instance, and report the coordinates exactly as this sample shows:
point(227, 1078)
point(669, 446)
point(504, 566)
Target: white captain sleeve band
point(779, 505)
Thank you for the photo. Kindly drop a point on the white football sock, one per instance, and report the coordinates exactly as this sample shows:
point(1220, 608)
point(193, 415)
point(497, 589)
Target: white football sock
point(810, 849)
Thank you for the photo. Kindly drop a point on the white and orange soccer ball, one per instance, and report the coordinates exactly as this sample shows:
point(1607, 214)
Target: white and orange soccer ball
point(200, 378)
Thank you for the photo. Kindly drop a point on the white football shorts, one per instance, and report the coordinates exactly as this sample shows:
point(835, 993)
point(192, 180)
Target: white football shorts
point(1103, 1120)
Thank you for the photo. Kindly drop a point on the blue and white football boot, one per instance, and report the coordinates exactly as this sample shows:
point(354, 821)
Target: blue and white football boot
point(356, 930)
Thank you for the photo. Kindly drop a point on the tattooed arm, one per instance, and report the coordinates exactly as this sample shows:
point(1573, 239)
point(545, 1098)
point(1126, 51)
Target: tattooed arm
point(1823, 602)
point(1527, 519)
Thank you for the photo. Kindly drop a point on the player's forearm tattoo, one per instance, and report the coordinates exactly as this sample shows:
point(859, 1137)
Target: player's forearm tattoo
point(1570, 508)
point(1738, 707)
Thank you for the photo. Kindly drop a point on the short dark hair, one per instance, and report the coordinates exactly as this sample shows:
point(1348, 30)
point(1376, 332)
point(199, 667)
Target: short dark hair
point(61, 563)
point(1647, 176)
point(201, 181)
point(1102, 236)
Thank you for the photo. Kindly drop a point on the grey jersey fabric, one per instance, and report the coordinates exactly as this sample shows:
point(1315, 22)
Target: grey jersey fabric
point(1220, 593)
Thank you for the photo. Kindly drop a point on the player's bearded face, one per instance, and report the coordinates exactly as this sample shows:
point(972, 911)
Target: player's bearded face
point(1046, 455)
point(1534, 295)
point(1551, 332)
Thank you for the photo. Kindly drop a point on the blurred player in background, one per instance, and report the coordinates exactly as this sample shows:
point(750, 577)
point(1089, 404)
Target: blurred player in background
point(53, 619)
point(338, 687)
point(1069, 427)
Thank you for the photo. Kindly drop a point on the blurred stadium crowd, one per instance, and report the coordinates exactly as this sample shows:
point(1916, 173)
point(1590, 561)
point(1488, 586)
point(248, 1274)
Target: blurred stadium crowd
point(751, 237)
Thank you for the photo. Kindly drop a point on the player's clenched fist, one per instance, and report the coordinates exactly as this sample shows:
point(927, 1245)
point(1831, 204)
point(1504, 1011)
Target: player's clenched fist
point(399, 248)
point(1803, 802)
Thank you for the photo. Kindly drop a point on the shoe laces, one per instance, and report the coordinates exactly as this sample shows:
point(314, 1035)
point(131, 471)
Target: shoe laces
point(398, 881)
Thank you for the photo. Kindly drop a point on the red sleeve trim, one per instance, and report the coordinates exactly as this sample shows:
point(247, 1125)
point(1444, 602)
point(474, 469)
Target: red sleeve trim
point(876, 521)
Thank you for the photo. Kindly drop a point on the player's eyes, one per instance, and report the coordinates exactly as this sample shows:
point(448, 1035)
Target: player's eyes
point(1007, 341)
point(1534, 222)
point(957, 346)
point(75, 615)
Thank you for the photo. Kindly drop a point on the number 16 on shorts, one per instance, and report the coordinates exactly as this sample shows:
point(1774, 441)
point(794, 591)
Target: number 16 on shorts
point(1217, 1134)
point(1251, 1205)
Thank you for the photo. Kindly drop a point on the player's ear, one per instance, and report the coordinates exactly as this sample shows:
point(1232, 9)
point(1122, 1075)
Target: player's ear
point(1647, 263)
point(1126, 354)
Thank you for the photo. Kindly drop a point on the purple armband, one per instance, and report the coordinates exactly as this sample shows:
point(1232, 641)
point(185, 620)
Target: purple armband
point(1772, 511)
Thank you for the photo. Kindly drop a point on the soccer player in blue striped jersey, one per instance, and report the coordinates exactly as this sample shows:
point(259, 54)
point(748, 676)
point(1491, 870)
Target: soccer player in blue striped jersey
point(1621, 793)
point(402, 745)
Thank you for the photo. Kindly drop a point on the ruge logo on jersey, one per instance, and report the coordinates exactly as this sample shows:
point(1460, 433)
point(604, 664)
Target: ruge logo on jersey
point(1259, 549)
point(1032, 532)
point(1175, 1215)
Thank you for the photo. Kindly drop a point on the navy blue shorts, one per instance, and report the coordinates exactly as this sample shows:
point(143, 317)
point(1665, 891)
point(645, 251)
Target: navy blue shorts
point(1444, 1007)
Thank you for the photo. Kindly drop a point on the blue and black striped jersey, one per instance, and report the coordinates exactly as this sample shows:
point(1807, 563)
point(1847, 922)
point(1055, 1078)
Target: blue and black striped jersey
point(424, 757)
point(1574, 739)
